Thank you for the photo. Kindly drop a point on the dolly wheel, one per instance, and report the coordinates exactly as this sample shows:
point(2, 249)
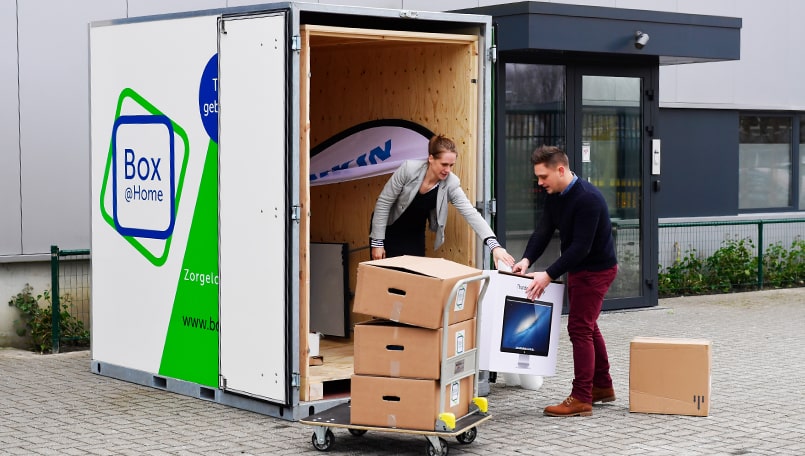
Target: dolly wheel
point(329, 439)
point(357, 432)
point(442, 451)
point(467, 436)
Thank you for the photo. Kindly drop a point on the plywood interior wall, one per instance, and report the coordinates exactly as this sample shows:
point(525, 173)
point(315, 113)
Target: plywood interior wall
point(304, 220)
point(354, 79)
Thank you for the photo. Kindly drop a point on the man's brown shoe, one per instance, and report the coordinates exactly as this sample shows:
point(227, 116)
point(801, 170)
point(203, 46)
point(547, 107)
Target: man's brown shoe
point(569, 407)
point(603, 394)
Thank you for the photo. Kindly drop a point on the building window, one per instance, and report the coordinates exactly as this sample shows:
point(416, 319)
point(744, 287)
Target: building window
point(802, 163)
point(764, 162)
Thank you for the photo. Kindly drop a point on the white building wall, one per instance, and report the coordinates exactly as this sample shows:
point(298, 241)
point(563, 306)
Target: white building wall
point(10, 230)
point(151, 7)
point(54, 120)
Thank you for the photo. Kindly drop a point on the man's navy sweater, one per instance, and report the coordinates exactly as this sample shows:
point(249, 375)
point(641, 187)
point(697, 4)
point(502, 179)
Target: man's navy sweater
point(585, 232)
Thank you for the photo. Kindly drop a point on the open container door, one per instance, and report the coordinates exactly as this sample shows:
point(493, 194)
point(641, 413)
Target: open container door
point(253, 206)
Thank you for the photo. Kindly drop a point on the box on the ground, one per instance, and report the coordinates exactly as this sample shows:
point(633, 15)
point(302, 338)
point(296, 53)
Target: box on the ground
point(518, 335)
point(391, 349)
point(414, 290)
point(406, 403)
point(669, 376)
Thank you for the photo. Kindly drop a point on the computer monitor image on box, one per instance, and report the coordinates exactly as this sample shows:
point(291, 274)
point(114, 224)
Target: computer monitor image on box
point(526, 328)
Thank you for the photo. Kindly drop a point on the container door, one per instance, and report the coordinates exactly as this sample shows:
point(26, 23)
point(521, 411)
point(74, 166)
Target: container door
point(253, 208)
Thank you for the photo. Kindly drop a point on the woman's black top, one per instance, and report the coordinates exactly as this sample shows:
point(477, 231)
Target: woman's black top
point(406, 236)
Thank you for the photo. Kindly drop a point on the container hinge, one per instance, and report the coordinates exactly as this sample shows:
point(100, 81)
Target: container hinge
point(296, 379)
point(493, 54)
point(222, 382)
point(409, 14)
point(296, 43)
point(490, 207)
point(296, 213)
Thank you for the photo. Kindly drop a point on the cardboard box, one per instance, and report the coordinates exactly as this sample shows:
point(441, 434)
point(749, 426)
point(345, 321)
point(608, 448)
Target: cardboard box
point(414, 290)
point(391, 349)
point(669, 376)
point(405, 403)
point(517, 335)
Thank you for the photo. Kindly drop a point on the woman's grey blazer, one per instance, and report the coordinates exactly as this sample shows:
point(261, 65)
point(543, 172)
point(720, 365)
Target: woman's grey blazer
point(401, 189)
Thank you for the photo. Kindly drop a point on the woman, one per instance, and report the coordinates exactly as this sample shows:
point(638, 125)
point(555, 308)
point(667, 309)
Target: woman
point(418, 191)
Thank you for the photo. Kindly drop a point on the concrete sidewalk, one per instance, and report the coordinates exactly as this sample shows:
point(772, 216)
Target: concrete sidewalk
point(54, 405)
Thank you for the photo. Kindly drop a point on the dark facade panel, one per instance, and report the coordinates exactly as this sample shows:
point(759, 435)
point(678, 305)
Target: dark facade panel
point(673, 37)
point(699, 163)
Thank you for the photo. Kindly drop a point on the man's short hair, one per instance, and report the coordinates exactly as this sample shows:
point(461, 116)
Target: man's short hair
point(550, 156)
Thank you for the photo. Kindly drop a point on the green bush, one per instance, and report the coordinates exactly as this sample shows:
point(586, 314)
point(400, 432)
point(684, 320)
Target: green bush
point(36, 320)
point(685, 276)
point(785, 267)
point(733, 267)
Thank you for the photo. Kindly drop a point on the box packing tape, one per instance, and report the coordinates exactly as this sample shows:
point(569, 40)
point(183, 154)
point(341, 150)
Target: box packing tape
point(396, 311)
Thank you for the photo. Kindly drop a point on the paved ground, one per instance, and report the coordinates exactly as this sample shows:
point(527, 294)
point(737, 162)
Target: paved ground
point(53, 404)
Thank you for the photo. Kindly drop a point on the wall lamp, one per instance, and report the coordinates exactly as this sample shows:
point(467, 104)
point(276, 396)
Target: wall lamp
point(640, 39)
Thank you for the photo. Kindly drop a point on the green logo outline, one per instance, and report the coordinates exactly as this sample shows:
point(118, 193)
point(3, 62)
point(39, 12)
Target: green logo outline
point(151, 109)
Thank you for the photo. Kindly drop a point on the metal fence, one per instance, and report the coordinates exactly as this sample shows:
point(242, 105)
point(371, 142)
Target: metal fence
point(694, 258)
point(70, 279)
point(727, 256)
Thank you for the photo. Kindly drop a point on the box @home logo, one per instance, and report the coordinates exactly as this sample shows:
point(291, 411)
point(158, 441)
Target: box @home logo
point(143, 177)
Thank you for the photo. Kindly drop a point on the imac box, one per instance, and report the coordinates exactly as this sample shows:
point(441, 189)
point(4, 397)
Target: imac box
point(519, 335)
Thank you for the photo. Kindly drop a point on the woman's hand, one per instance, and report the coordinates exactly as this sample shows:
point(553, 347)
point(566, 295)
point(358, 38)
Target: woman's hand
point(500, 254)
point(378, 253)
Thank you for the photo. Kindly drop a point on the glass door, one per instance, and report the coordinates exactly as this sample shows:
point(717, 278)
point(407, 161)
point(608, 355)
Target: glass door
point(603, 118)
point(610, 136)
point(535, 115)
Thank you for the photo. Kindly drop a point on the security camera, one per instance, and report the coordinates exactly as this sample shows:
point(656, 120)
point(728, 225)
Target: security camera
point(640, 39)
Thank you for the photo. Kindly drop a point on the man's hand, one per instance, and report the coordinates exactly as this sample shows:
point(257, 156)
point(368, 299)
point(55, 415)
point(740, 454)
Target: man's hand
point(521, 266)
point(538, 285)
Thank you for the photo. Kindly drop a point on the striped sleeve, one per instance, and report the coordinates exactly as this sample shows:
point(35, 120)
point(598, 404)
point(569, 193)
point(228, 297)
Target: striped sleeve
point(492, 243)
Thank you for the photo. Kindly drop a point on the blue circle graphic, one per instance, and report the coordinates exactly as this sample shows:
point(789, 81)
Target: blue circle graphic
point(208, 98)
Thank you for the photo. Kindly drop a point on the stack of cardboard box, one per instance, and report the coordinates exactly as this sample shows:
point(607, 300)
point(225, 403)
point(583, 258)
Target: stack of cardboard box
point(398, 357)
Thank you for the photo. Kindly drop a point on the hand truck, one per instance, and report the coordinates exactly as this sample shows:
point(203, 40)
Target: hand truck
point(453, 369)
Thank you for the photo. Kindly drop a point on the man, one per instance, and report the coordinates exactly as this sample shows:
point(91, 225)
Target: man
point(578, 210)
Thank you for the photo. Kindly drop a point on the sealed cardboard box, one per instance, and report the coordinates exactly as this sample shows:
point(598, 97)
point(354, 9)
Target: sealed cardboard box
point(406, 403)
point(669, 376)
point(391, 349)
point(518, 335)
point(414, 290)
